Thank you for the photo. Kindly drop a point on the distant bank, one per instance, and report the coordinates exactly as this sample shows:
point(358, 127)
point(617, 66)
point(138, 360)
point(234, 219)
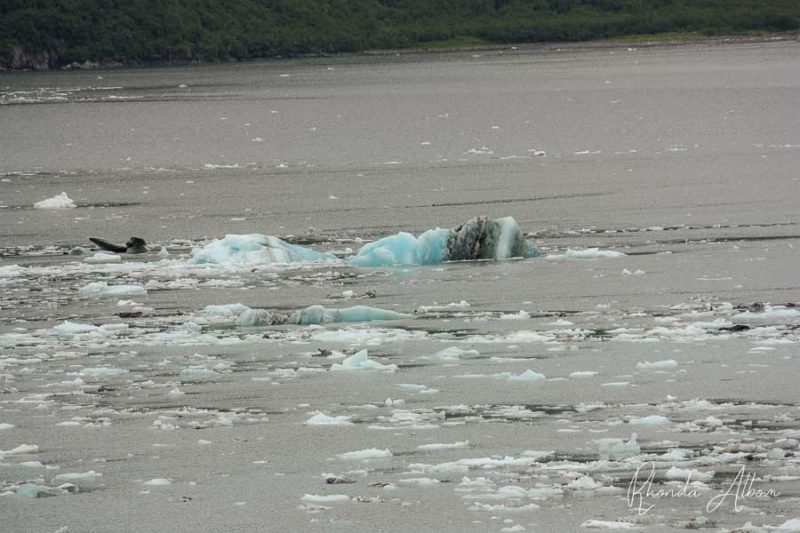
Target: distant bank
point(92, 33)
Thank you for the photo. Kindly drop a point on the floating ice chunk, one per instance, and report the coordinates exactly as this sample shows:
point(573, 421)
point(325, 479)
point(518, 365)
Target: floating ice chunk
point(616, 449)
point(478, 238)
point(317, 314)
point(224, 311)
point(78, 476)
point(591, 253)
point(103, 258)
point(361, 361)
point(163, 252)
point(583, 374)
point(652, 420)
point(22, 449)
point(584, 483)
point(420, 481)
point(463, 305)
point(320, 419)
point(776, 454)
point(102, 372)
point(6, 425)
point(60, 201)
point(363, 455)
point(73, 328)
point(404, 249)
point(607, 524)
point(528, 375)
point(327, 498)
point(158, 482)
point(665, 364)
point(254, 249)
point(99, 289)
point(770, 314)
point(12, 271)
point(444, 446)
point(521, 315)
point(454, 353)
point(682, 474)
point(32, 490)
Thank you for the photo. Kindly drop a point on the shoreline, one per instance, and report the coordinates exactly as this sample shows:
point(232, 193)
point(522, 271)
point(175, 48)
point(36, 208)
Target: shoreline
point(639, 41)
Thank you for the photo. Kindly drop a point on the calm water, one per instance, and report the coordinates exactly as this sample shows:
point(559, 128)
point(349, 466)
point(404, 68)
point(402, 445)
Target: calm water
point(685, 158)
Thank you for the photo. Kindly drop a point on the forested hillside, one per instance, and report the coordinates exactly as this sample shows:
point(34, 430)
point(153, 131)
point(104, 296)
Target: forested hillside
point(54, 33)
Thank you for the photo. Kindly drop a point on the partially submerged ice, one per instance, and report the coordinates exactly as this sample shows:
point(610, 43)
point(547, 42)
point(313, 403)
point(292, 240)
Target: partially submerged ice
point(59, 201)
point(317, 314)
point(253, 249)
point(478, 238)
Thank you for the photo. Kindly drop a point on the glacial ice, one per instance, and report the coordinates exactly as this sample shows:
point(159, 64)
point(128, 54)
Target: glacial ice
point(312, 315)
point(478, 238)
point(11, 271)
point(361, 361)
point(317, 314)
point(363, 455)
point(99, 289)
point(253, 249)
point(321, 419)
point(59, 201)
point(102, 258)
point(404, 249)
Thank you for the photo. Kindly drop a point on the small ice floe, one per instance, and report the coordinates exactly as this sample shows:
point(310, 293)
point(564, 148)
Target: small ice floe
point(254, 249)
point(78, 476)
point(317, 314)
point(768, 315)
point(453, 353)
point(22, 449)
point(365, 455)
point(652, 420)
point(682, 474)
point(584, 483)
point(583, 374)
point(12, 271)
point(33, 490)
point(321, 419)
point(528, 375)
point(6, 425)
point(444, 446)
point(212, 166)
point(664, 364)
point(463, 305)
point(101, 289)
point(103, 258)
point(626, 272)
point(60, 201)
point(157, 482)
point(520, 315)
point(163, 252)
point(608, 524)
point(327, 498)
point(361, 361)
point(420, 481)
point(99, 373)
point(616, 449)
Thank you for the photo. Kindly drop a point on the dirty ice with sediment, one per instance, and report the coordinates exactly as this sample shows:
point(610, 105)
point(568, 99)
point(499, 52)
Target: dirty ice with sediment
point(469, 292)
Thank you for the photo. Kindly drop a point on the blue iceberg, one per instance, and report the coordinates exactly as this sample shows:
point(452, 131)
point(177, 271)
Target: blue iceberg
point(253, 249)
point(478, 238)
point(404, 249)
